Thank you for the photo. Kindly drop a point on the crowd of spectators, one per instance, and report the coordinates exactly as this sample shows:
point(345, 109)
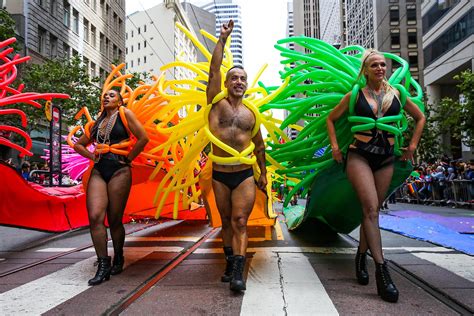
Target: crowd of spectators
point(443, 182)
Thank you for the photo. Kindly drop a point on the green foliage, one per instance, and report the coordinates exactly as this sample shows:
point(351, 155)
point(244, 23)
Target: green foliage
point(137, 78)
point(455, 117)
point(7, 28)
point(68, 76)
point(429, 148)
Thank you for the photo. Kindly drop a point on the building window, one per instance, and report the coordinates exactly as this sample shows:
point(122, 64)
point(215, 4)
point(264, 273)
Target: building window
point(66, 51)
point(138, 61)
point(66, 13)
point(53, 7)
point(144, 59)
point(138, 30)
point(131, 63)
point(395, 39)
point(138, 46)
point(144, 28)
point(75, 21)
point(120, 54)
point(411, 14)
point(53, 42)
point(107, 47)
point(144, 44)
point(41, 2)
point(107, 12)
point(120, 25)
point(115, 22)
point(75, 52)
point(132, 33)
point(126, 50)
point(115, 52)
point(394, 15)
point(85, 63)
point(102, 8)
point(102, 43)
point(412, 38)
point(413, 59)
point(41, 40)
point(93, 73)
point(131, 48)
point(86, 30)
point(102, 74)
point(93, 36)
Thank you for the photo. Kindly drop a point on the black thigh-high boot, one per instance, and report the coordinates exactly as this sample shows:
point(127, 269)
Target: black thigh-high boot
point(118, 262)
point(229, 258)
point(385, 287)
point(361, 268)
point(237, 283)
point(103, 271)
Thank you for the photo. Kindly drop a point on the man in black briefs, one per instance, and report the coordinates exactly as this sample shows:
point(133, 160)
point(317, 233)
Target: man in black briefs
point(234, 185)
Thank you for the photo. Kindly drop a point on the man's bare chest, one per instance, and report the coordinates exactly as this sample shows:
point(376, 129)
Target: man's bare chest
point(226, 116)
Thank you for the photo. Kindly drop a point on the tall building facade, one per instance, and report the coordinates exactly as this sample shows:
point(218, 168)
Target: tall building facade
point(306, 18)
point(50, 29)
point(388, 25)
point(151, 45)
point(201, 20)
point(290, 26)
point(224, 11)
point(448, 49)
point(358, 19)
point(330, 21)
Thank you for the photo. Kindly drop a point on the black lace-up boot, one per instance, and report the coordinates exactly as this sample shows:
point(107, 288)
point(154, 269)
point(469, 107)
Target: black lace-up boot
point(385, 287)
point(103, 271)
point(229, 258)
point(237, 283)
point(118, 262)
point(361, 268)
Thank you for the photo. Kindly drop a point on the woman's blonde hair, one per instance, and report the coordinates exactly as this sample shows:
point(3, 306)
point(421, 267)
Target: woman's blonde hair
point(387, 88)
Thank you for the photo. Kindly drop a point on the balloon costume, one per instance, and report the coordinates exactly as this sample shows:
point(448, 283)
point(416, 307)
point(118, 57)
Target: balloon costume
point(324, 75)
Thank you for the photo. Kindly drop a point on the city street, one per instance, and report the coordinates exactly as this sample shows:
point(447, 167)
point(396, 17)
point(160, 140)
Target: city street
point(307, 272)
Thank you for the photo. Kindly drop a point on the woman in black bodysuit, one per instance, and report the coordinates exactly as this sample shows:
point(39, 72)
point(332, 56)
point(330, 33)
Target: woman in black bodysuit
point(370, 159)
point(110, 181)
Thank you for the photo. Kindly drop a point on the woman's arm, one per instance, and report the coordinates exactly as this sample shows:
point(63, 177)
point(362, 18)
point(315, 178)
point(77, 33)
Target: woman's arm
point(139, 132)
point(335, 114)
point(81, 147)
point(420, 120)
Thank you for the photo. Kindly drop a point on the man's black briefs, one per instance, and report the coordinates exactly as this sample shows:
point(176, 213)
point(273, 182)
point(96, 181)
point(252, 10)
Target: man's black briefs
point(232, 179)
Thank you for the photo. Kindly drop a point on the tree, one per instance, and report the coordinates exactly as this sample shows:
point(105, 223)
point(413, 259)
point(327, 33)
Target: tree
point(68, 76)
point(7, 28)
point(429, 148)
point(456, 117)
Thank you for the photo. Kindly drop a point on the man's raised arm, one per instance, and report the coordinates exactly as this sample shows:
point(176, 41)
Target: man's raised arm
point(214, 84)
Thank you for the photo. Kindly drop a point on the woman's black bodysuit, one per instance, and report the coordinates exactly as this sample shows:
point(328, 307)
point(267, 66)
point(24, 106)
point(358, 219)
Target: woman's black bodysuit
point(377, 151)
point(109, 162)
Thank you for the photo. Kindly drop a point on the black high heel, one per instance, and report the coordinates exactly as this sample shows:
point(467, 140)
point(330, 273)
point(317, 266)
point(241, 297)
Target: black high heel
point(361, 268)
point(386, 289)
point(118, 262)
point(103, 271)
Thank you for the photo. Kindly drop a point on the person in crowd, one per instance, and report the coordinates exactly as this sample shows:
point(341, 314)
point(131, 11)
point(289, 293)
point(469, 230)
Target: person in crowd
point(234, 185)
point(110, 180)
point(370, 160)
point(25, 170)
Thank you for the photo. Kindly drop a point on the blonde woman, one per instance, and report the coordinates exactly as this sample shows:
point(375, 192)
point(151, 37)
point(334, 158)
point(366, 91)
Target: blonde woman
point(369, 162)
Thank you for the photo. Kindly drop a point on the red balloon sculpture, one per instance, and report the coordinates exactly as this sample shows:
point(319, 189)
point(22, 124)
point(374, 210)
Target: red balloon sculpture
point(10, 95)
